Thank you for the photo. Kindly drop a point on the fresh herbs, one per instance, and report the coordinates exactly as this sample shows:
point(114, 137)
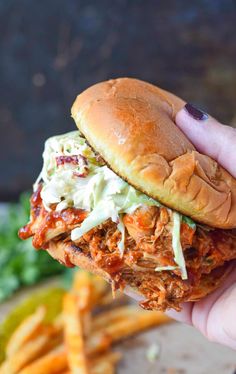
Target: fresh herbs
point(20, 263)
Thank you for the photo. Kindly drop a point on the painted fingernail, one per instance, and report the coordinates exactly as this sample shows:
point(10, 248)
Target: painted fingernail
point(196, 113)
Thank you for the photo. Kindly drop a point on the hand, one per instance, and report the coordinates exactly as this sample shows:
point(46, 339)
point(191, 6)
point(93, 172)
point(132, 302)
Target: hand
point(215, 315)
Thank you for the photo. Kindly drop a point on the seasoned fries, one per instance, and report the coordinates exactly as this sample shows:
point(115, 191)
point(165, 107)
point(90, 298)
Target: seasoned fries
point(52, 362)
point(77, 341)
point(94, 287)
point(105, 364)
point(112, 316)
point(140, 320)
point(32, 351)
point(74, 335)
point(25, 331)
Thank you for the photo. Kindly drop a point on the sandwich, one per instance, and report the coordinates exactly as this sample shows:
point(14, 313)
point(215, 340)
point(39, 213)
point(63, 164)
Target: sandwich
point(128, 197)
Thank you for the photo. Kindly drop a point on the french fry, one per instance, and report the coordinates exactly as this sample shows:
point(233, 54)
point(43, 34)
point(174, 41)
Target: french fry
point(120, 329)
point(52, 363)
point(98, 343)
point(103, 367)
point(32, 350)
point(110, 316)
point(82, 285)
point(97, 285)
point(108, 298)
point(58, 324)
point(100, 288)
point(74, 335)
point(4, 368)
point(105, 363)
point(141, 320)
point(83, 288)
point(87, 322)
point(36, 348)
point(25, 331)
point(112, 357)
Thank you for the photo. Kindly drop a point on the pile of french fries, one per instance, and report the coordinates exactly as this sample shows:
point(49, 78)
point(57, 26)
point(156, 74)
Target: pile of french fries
point(80, 339)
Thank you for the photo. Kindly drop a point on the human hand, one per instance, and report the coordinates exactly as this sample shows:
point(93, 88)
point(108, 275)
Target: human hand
point(215, 315)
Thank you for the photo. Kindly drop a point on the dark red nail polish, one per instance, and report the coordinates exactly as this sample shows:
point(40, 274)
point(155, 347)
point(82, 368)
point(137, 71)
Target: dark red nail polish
point(196, 113)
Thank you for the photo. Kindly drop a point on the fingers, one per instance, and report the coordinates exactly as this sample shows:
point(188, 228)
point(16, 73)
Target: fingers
point(228, 311)
point(214, 316)
point(184, 316)
point(221, 325)
point(209, 136)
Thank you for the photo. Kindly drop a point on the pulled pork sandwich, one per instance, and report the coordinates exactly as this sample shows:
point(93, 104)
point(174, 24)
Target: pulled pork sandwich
point(127, 196)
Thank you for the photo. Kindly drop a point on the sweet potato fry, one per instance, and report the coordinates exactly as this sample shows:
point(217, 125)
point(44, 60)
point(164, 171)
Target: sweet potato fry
point(52, 363)
point(25, 331)
point(74, 335)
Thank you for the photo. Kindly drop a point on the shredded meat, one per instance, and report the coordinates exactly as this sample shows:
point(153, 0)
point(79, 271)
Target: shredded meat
point(148, 244)
point(45, 226)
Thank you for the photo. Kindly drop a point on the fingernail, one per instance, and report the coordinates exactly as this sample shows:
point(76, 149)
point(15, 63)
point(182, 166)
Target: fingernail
point(196, 113)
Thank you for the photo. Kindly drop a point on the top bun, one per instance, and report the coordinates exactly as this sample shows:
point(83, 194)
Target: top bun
point(130, 123)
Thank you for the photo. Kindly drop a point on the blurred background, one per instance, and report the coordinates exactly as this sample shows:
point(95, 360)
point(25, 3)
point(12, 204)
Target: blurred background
point(53, 49)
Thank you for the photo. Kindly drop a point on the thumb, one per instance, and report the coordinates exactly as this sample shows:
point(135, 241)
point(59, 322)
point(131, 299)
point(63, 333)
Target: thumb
point(209, 136)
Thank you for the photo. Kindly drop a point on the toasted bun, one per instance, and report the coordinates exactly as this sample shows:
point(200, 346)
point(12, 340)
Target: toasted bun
point(65, 253)
point(130, 123)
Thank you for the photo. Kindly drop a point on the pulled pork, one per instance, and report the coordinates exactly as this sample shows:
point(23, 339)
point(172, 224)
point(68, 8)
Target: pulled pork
point(148, 245)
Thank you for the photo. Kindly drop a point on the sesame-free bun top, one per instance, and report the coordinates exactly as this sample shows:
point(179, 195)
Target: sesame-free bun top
point(130, 123)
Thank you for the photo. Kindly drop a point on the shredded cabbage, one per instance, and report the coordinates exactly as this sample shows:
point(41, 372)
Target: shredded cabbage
point(94, 187)
point(121, 228)
point(168, 267)
point(100, 191)
point(189, 222)
point(102, 211)
point(176, 245)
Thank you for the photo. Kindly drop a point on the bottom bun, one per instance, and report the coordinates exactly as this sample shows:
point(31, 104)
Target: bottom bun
point(210, 282)
point(134, 285)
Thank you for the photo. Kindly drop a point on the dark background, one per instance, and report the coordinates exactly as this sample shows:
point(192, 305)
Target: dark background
point(50, 50)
